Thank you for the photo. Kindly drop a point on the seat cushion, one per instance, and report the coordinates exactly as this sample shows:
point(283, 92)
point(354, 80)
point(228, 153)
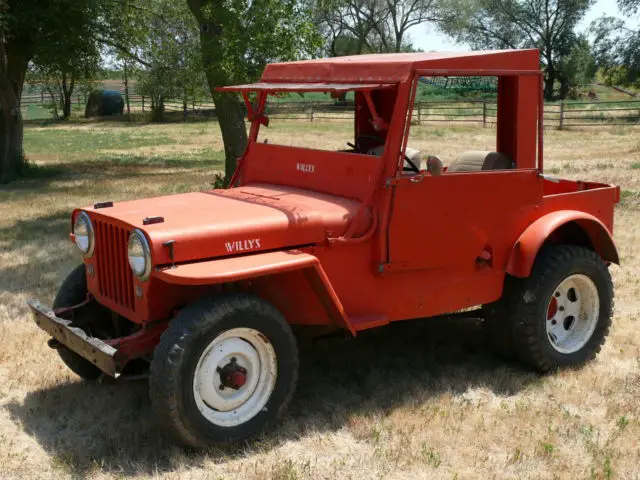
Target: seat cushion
point(412, 154)
point(475, 160)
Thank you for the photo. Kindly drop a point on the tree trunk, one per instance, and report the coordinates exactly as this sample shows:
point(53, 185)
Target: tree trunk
point(234, 132)
point(12, 161)
point(54, 102)
point(157, 110)
point(565, 88)
point(126, 88)
point(398, 46)
point(66, 106)
point(14, 58)
point(549, 80)
point(67, 92)
point(549, 77)
point(185, 110)
point(228, 106)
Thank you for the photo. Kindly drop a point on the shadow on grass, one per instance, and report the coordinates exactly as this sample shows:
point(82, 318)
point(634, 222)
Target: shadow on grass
point(135, 119)
point(40, 247)
point(185, 162)
point(32, 228)
point(39, 177)
point(123, 121)
point(111, 427)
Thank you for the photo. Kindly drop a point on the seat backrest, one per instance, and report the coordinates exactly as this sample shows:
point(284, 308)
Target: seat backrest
point(475, 161)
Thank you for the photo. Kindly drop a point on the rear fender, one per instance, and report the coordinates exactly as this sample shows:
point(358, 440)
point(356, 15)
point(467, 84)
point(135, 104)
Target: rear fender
point(528, 245)
point(294, 281)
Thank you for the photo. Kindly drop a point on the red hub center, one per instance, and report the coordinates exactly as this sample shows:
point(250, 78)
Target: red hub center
point(238, 379)
point(553, 308)
point(233, 375)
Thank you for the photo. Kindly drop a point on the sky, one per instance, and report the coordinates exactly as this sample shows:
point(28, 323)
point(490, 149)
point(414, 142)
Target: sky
point(427, 37)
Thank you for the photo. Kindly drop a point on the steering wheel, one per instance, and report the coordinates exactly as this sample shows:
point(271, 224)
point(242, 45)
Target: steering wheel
point(412, 167)
point(364, 137)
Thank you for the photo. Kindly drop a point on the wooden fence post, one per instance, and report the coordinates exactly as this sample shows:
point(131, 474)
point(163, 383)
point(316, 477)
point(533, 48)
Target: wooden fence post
point(142, 97)
point(561, 124)
point(484, 113)
point(419, 115)
point(185, 108)
point(311, 113)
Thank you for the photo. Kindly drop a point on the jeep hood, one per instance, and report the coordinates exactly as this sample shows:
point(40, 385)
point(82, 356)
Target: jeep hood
point(236, 221)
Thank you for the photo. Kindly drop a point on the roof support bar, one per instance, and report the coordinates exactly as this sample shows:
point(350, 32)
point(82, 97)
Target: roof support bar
point(378, 123)
point(251, 114)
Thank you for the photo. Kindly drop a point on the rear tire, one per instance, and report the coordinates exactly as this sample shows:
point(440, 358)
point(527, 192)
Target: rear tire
point(225, 369)
point(73, 291)
point(561, 314)
point(497, 324)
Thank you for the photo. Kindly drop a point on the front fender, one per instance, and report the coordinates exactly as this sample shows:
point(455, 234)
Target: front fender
point(259, 266)
point(529, 243)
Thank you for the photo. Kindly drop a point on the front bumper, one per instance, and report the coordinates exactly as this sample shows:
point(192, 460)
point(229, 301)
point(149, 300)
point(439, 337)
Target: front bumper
point(94, 350)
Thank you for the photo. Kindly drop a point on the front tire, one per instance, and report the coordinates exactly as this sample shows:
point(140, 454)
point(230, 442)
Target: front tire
point(562, 311)
point(224, 370)
point(73, 291)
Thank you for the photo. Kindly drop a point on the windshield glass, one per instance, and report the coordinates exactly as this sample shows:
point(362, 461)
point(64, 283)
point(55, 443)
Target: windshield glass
point(352, 121)
point(309, 120)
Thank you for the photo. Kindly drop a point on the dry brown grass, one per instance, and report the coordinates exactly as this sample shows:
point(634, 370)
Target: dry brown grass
point(414, 400)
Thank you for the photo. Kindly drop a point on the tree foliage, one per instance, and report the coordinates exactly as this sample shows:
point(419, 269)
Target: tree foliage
point(548, 25)
point(368, 26)
point(61, 37)
point(617, 47)
point(29, 29)
point(576, 68)
point(69, 60)
point(238, 38)
point(170, 51)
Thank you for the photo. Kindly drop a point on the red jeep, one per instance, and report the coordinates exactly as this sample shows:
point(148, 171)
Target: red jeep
point(207, 286)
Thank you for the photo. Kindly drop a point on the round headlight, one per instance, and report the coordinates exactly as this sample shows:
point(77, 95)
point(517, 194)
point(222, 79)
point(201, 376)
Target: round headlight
point(83, 234)
point(139, 255)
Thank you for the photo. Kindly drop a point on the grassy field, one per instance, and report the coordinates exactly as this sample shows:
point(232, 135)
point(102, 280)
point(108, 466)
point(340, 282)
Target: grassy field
point(420, 399)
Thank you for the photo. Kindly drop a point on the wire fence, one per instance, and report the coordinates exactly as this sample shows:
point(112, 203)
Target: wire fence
point(480, 112)
point(556, 115)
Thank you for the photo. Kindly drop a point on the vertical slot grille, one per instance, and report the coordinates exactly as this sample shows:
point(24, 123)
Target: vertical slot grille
point(115, 278)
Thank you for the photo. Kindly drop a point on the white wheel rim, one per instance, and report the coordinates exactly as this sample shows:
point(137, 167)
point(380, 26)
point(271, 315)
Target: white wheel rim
point(572, 314)
point(238, 349)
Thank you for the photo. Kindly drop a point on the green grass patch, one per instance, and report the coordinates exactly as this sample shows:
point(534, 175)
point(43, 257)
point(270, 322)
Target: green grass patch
point(547, 448)
point(36, 112)
point(206, 157)
point(40, 172)
point(635, 166)
point(629, 198)
point(604, 166)
point(82, 142)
